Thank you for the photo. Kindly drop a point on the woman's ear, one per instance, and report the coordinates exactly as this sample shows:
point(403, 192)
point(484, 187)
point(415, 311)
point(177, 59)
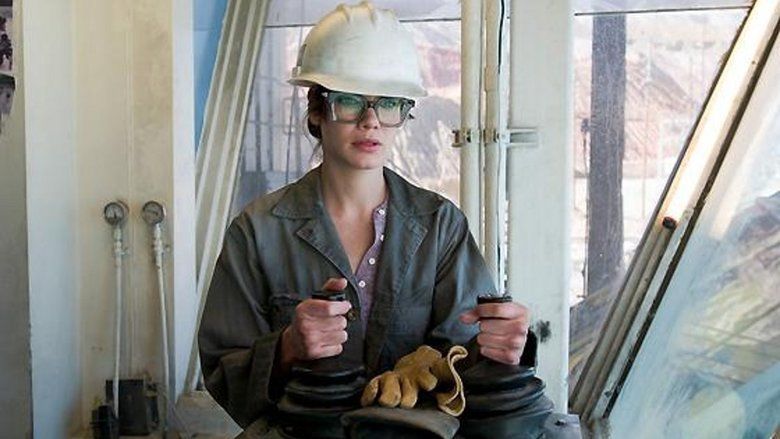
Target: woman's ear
point(315, 119)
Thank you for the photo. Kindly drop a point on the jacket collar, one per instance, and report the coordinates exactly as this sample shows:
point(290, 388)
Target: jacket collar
point(303, 199)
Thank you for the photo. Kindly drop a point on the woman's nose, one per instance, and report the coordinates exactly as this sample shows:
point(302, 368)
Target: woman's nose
point(370, 119)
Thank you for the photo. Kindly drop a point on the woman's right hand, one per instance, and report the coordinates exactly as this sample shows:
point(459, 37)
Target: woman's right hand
point(318, 328)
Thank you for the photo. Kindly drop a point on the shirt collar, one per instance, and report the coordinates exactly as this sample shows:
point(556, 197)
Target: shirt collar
point(303, 199)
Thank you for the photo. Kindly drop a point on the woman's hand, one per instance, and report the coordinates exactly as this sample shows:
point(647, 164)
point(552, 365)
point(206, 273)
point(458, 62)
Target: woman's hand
point(318, 329)
point(503, 328)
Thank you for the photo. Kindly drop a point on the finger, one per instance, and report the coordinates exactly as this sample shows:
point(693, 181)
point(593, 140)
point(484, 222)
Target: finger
point(332, 338)
point(408, 393)
point(426, 380)
point(369, 393)
point(513, 342)
point(322, 324)
point(335, 284)
point(469, 317)
point(509, 310)
point(390, 395)
point(328, 324)
point(501, 355)
point(323, 308)
point(504, 327)
point(328, 351)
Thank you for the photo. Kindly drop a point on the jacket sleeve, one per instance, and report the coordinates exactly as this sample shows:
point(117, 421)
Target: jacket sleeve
point(237, 345)
point(461, 276)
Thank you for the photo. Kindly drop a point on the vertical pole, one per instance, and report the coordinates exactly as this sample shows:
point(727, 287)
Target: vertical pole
point(471, 99)
point(607, 142)
point(494, 202)
point(540, 179)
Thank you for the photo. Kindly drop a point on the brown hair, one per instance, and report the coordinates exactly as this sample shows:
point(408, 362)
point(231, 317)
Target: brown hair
point(316, 106)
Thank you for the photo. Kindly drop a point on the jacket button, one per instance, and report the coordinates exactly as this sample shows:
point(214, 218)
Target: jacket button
point(352, 315)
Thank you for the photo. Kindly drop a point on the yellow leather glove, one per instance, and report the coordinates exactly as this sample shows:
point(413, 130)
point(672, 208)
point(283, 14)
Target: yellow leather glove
point(402, 384)
point(451, 399)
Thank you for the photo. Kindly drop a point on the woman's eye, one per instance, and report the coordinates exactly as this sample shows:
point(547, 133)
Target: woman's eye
point(348, 101)
point(389, 103)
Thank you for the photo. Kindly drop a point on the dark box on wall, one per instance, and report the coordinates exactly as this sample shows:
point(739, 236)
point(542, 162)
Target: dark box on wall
point(138, 413)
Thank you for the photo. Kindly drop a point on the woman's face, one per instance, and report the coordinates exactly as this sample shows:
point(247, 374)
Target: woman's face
point(360, 145)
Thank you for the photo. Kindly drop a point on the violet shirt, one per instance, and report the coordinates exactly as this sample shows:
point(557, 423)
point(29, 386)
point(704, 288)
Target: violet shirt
point(365, 275)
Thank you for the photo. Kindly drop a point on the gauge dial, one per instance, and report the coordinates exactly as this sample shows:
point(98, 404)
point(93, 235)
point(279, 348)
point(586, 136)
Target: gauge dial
point(153, 212)
point(115, 213)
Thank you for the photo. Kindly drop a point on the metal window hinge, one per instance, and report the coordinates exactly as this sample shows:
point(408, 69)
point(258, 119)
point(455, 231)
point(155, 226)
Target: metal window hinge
point(463, 137)
point(526, 137)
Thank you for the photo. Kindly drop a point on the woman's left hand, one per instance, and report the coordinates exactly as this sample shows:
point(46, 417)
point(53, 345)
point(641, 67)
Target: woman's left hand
point(503, 328)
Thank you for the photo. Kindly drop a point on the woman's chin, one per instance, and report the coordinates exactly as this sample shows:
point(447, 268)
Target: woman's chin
point(366, 162)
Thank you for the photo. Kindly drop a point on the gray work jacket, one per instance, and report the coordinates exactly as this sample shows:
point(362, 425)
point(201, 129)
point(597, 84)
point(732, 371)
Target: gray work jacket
point(284, 246)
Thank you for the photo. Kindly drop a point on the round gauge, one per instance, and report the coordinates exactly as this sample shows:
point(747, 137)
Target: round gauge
point(153, 212)
point(115, 213)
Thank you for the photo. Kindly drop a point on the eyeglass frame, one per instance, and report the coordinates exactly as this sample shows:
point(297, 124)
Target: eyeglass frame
point(368, 104)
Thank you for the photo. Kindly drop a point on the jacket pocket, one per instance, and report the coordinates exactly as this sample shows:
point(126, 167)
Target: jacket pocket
point(283, 310)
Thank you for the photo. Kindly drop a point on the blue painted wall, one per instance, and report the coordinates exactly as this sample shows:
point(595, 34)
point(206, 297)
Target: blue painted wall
point(208, 16)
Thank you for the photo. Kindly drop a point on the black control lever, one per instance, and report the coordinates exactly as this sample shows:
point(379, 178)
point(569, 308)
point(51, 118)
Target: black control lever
point(528, 357)
point(340, 368)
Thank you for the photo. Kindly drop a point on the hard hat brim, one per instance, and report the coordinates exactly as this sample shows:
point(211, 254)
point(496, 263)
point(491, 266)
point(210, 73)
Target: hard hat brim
point(363, 87)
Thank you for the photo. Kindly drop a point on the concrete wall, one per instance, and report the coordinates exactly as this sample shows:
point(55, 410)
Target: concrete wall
point(134, 133)
point(103, 111)
point(15, 380)
point(51, 215)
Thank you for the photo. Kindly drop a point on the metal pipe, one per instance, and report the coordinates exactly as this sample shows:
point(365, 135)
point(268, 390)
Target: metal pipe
point(115, 213)
point(158, 250)
point(118, 254)
point(471, 99)
point(494, 204)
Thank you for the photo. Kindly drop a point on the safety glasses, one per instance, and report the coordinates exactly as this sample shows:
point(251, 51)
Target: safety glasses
point(351, 108)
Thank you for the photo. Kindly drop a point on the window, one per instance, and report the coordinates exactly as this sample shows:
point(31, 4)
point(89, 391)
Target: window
point(640, 82)
point(710, 363)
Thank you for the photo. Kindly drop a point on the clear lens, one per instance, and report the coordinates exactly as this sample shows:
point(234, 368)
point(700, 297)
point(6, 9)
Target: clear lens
point(388, 111)
point(348, 108)
point(391, 111)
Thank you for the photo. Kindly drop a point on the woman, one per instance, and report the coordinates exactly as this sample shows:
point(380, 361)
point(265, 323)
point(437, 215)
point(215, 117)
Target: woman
point(403, 256)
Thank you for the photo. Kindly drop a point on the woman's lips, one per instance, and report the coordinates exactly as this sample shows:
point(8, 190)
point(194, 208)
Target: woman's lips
point(367, 145)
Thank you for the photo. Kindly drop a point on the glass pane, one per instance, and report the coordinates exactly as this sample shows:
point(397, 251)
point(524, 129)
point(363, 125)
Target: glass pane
point(591, 6)
point(710, 363)
point(423, 152)
point(628, 136)
point(293, 12)
point(278, 149)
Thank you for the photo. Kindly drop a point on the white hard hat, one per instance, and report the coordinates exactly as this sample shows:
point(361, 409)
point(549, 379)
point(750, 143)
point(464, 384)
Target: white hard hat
point(360, 49)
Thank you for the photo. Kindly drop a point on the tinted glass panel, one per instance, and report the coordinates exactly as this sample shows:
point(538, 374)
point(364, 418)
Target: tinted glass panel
point(710, 364)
